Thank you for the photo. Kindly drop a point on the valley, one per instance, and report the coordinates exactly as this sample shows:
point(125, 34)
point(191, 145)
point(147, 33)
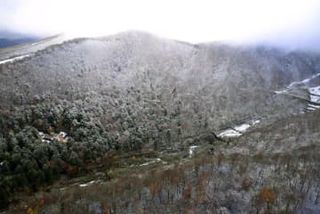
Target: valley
point(133, 123)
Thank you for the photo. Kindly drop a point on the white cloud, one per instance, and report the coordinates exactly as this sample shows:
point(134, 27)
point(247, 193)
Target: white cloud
point(193, 20)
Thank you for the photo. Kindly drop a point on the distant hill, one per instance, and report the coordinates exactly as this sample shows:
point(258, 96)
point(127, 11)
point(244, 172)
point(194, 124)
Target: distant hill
point(8, 42)
point(8, 38)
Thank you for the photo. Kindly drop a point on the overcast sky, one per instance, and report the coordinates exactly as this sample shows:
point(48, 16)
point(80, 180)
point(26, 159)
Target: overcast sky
point(293, 23)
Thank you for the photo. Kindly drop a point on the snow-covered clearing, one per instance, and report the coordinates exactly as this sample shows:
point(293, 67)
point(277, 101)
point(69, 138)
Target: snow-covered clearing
point(238, 130)
point(13, 59)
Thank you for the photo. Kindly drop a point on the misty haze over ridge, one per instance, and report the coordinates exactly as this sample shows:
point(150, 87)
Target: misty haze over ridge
point(283, 44)
point(286, 24)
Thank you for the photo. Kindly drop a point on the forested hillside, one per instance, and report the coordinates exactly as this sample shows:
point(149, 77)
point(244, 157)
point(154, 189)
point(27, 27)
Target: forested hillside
point(66, 108)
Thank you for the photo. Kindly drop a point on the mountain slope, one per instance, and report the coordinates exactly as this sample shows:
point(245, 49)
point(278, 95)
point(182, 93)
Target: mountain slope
point(67, 108)
point(225, 77)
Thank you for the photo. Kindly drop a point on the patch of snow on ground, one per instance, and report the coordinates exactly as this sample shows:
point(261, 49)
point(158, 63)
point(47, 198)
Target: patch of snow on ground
point(88, 184)
point(314, 97)
point(315, 94)
point(255, 122)
point(13, 59)
point(229, 133)
point(151, 162)
point(35, 43)
point(191, 150)
point(305, 81)
point(281, 92)
point(237, 131)
point(242, 127)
